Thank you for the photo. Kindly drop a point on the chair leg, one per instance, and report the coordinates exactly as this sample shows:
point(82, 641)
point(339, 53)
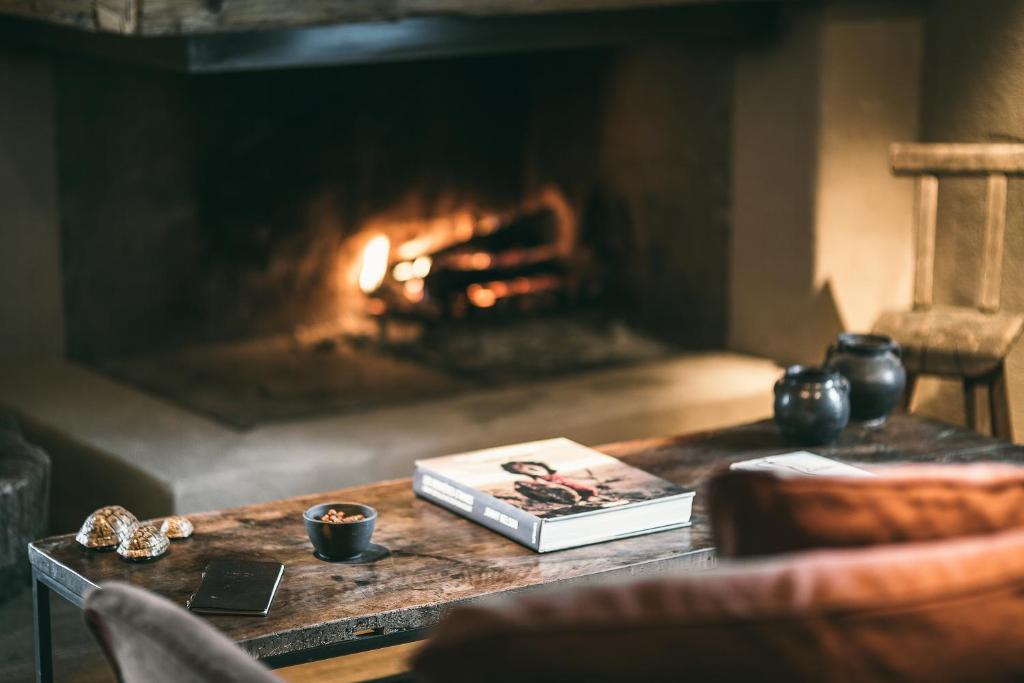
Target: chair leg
point(971, 404)
point(908, 392)
point(999, 406)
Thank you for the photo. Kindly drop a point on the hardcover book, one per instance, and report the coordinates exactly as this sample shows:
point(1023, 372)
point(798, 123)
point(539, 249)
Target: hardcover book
point(552, 494)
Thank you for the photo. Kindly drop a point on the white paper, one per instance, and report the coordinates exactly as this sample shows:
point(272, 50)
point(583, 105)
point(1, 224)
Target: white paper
point(800, 464)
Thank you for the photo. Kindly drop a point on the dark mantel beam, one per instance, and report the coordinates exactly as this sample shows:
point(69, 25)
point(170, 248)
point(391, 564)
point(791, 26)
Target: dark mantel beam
point(191, 17)
point(193, 46)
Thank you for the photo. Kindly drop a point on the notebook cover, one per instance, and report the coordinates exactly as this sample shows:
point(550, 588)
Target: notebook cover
point(237, 587)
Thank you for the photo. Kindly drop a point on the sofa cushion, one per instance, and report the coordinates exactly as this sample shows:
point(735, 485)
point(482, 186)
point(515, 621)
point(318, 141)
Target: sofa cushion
point(943, 611)
point(756, 513)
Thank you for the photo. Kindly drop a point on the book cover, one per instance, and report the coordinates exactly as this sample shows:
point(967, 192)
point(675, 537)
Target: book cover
point(517, 490)
point(237, 587)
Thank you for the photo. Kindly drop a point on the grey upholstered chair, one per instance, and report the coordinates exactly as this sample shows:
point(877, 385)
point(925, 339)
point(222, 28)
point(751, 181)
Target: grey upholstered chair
point(150, 639)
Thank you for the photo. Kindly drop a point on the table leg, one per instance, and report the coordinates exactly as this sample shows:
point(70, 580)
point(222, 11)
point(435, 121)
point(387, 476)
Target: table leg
point(41, 621)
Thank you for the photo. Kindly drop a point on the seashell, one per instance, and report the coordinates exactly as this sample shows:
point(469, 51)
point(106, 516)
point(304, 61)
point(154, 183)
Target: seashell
point(146, 543)
point(107, 527)
point(177, 527)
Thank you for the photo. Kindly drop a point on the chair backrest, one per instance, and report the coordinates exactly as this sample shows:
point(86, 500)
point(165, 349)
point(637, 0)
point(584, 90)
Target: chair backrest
point(150, 639)
point(761, 513)
point(926, 162)
point(943, 612)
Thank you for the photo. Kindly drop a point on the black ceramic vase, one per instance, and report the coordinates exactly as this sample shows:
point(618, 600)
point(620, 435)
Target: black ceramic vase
point(871, 363)
point(812, 405)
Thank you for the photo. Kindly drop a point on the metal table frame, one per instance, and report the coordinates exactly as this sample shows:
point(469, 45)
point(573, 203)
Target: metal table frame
point(43, 586)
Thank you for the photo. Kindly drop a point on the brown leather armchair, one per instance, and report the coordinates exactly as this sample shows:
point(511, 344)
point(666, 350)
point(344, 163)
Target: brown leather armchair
point(940, 599)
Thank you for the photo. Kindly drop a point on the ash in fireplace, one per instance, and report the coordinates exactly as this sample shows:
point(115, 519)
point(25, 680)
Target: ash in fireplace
point(246, 384)
point(531, 348)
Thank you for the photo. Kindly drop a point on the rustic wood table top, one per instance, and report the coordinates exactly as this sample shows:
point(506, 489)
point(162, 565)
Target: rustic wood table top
point(438, 559)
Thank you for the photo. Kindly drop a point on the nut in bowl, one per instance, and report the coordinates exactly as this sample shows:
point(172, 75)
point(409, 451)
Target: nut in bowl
point(340, 531)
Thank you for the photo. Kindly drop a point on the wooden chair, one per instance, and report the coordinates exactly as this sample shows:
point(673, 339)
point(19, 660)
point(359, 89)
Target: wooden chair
point(970, 344)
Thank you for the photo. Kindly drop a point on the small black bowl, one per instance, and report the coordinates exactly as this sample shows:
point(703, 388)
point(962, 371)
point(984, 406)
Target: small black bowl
point(340, 541)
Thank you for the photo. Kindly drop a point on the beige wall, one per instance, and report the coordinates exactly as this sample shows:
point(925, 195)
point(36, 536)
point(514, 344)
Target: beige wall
point(30, 286)
point(821, 231)
point(974, 92)
point(869, 98)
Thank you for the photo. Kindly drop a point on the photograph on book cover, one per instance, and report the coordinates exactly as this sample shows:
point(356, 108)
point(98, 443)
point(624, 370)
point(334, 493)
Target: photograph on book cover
point(556, 478)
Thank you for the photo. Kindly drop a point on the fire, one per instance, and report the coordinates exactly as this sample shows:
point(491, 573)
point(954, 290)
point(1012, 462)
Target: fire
point(421, 266)
point(418, 265)
point(414, 289)
point(407, 270)
point(375, 263)
point(482, 297)
point(487, 294)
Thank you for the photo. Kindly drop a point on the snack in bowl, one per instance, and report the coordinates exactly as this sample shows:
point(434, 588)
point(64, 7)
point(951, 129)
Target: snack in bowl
point(340, 531)
point(335, 517)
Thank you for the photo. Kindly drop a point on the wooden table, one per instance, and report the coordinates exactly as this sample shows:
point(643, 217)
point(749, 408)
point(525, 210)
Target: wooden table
point(438, 559)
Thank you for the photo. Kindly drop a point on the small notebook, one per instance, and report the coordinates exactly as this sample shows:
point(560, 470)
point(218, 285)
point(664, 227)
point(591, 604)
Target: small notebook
point(237, 587)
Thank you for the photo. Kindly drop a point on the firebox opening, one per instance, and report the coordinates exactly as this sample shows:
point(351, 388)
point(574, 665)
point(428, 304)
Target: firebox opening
point(325, 240)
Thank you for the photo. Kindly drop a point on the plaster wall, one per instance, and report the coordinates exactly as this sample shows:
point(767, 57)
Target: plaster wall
point(775, 122)
point(869, 98)
point(31, 322)
point(821, 231)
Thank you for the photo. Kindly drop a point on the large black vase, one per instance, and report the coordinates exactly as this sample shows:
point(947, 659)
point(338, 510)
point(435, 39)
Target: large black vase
point(812, 405)
point(871, 363)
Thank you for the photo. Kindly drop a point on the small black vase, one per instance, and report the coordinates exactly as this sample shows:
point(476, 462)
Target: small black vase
point(812, 405)
point(871, 363)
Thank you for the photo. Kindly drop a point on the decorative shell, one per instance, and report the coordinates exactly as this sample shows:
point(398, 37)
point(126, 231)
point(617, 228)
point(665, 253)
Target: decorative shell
point(177, 527)
point(146, 543)
point(107, 527)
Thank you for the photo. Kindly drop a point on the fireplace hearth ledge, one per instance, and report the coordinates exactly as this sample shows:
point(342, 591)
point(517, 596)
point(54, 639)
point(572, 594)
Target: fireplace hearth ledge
point(111, 443)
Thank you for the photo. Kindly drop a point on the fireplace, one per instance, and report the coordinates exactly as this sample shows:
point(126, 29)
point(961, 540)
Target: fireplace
point(287, 244)
point(277, 277)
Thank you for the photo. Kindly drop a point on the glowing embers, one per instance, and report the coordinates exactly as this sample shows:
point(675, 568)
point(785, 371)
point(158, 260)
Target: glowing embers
point(408, 270)
point(524, 260)
point(414, 289)
point(512, 258)
point(485, 295)
point(374, 267)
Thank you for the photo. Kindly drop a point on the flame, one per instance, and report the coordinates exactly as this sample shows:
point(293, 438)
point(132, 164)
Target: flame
point(402, 271)
point(414, 290)
point(482, 297)
point(375, 263)
point(487, 294)
point(421, 266)
point(407, 270)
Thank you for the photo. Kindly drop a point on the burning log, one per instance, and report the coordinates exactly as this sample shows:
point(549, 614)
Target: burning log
point(525, 257)
point(539, 227)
